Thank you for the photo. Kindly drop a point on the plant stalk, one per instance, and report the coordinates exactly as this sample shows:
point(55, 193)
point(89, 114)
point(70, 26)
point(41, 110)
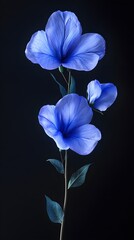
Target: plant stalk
point(69, 81)
point(65, 196)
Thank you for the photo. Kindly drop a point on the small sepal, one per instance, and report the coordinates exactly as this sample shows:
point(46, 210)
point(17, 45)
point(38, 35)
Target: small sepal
point(61, 69)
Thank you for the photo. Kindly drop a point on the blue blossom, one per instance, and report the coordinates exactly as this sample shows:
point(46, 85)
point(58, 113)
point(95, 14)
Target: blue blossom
point(68, 124)
point(101, 95)
point(63, 44)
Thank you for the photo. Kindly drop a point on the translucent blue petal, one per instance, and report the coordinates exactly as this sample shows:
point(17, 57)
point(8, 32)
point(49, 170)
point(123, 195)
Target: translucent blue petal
point(49, 121)
point(63, 31)
point(107, 97)
point(73, 111)
point(55, 28)
point(84, 139)
point(47, 62)
point(60, 141)
point(38, 51)
point(93, 91)
point(82, 62)
point(91, 43)
point(72, 34)
point(37, 44)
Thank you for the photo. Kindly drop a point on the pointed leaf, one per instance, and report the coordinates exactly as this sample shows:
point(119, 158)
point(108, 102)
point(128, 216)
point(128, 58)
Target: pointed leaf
point(62, 89)
point(78, 178)
point(72, 85)
point(54, 211)
point(57, 164)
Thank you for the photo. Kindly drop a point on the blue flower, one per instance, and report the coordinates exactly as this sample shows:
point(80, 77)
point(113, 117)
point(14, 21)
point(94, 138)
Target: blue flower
point(68, 124)
point(101, 95)
point(62, 43)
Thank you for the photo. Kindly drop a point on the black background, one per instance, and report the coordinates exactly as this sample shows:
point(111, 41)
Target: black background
point(102, 207)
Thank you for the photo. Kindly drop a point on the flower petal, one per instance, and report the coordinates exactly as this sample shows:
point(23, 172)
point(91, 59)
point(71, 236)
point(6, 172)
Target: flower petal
point(38, 51)
point(60, 141)
point(37, 44)
point(47, 62)
point(62, 29)
point(84, 139)
point(91, 43)
point(107, 97)
point(73, 31)
point(48, 120)
point(55, 32)
point(93, 91)
point(73, 111)
point(82, 62)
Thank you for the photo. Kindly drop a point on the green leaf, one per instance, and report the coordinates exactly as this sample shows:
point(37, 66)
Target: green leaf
point(54, 211)
point(57, 164)
point(62, 89)
point(78, 178)
point(72, 85)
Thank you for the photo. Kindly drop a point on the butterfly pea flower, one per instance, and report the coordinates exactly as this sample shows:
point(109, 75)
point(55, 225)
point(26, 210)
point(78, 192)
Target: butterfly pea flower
point(68, 124)
point(101, 95)
point(63, 44)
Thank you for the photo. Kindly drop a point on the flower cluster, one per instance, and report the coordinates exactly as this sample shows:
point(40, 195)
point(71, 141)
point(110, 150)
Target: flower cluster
point(63, 46)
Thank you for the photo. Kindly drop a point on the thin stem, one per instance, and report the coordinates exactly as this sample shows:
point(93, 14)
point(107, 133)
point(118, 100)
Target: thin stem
point(65, 197)
point(65, 175)
point(96, 110)
point(69, 81)
point(61, 157)
point(64, 77)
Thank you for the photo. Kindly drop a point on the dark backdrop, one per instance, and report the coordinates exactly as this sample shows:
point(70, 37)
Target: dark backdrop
point(102, 207)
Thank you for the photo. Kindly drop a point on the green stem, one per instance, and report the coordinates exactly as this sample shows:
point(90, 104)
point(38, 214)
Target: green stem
point(65, 197)
point(61, 157)
point(96, 110)
point(64, 77)
point(69, 81)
